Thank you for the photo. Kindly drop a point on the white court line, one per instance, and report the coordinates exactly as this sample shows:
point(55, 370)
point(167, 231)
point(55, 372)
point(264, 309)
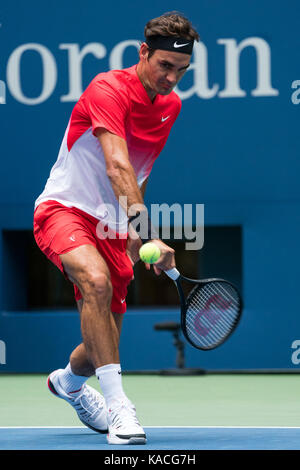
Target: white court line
point(160, 427)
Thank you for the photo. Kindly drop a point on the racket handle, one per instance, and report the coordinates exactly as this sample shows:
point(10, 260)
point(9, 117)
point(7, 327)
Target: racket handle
point(173, 274)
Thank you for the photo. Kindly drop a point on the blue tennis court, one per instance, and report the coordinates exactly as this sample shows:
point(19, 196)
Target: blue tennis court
point(159, 438)
point(222, 412)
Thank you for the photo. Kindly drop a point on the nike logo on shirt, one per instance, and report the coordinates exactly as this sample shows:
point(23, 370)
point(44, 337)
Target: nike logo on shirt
point(164, 119)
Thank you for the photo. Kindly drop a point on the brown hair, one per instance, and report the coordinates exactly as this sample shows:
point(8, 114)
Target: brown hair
point(171, 24)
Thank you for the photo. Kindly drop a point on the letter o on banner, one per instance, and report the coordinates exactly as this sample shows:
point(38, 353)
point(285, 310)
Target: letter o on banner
point(14, 73)
point(116, 55)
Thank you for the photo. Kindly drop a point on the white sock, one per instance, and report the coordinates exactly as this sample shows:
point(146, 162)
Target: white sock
point(70, 382)
point(110, 379)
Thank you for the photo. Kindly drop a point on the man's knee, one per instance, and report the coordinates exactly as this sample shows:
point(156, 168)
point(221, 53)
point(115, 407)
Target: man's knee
point(96, 283)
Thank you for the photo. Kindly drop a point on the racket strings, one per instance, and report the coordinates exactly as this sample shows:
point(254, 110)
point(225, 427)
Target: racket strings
point(209, 320)
point(212, 313)
point(206, 315)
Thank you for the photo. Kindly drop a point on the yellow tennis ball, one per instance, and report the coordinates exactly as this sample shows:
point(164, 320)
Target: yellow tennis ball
point(149, 253)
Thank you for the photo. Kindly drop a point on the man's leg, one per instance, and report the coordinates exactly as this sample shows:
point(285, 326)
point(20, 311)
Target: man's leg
point(99, 353)
point(87, 269)
point(79, 361)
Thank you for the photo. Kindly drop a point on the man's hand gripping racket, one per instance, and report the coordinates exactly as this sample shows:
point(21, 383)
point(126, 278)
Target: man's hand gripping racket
point(211, 311)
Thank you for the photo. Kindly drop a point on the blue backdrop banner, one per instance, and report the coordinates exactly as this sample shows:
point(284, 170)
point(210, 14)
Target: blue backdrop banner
point(234, 148)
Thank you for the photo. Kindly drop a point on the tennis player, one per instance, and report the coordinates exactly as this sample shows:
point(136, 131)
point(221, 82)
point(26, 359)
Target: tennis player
point(84, 219)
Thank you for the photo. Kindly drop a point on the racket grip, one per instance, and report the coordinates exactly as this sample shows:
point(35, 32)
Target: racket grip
point(173, 274)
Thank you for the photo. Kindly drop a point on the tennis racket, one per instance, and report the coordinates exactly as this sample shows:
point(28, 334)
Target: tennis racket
point(211, 311)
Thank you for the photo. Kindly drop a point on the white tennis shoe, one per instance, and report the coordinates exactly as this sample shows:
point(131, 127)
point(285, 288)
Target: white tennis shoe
point(88, 404)
point(123, 425)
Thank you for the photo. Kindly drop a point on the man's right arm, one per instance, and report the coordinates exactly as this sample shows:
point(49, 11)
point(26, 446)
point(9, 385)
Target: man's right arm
point(124, 183)
point(119, 169)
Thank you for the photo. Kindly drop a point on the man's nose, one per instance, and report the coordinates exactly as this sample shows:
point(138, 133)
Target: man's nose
point(172, 77)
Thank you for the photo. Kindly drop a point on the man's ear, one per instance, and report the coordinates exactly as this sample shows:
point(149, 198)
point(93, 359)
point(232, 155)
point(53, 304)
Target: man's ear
point(144, 51)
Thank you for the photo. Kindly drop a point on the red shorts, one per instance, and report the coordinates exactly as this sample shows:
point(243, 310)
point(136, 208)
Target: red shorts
point(59, 229)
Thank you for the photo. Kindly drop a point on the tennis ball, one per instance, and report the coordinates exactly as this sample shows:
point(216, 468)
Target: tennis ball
point(149, 253)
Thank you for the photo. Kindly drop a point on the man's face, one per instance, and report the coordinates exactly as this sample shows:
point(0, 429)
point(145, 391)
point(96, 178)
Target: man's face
point(164, 69)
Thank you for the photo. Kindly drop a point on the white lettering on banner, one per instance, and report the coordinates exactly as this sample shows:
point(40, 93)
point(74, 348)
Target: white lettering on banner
point(2, 352)
point(295, 96)
point(116, 55)
point(14, 73)
point(2, 92)
point(296, 353)
point(199, 68)
point(232, 69)
point(75, 58)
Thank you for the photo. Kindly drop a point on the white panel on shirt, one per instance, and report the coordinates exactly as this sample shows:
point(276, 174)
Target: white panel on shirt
point(78, 179)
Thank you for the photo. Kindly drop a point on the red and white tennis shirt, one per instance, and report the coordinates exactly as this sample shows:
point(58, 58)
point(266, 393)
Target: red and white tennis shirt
point(117, 101)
